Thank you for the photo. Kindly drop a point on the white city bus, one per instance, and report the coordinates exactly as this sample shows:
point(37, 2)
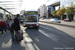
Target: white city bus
point(31, 19)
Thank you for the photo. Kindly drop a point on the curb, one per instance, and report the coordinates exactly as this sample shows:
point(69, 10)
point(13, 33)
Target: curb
point(59, 24)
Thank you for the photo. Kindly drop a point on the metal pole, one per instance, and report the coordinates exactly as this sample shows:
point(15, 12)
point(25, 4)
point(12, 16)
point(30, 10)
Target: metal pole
point(4, 14)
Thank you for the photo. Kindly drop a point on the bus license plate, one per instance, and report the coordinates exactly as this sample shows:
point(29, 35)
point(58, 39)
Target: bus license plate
point(30, 26)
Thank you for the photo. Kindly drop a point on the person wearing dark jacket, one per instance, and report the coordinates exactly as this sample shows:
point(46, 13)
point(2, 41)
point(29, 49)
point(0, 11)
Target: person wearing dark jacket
point(11, 28)
point(17, 26)
point(7, 21)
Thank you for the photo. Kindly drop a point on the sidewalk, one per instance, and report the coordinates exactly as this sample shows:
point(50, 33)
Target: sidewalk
point(7, 44)
point(69, 24)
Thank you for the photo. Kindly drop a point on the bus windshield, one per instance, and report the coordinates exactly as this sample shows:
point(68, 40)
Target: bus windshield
point(30, 18)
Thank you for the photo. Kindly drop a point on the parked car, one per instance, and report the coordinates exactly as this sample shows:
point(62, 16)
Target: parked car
point(67, 20)
point(55, 20)
point(42, 18)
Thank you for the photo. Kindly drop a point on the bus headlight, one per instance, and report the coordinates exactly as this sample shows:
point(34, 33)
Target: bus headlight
point(37, 24)
point(24, 24)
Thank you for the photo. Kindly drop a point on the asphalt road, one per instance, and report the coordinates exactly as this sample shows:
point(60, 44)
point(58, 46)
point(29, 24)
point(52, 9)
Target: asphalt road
point(53, 37)
point(48, 37)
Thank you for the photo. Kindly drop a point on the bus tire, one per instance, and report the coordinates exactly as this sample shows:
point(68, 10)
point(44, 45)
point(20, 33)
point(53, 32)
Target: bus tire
point(27, 27)
point(37, 28)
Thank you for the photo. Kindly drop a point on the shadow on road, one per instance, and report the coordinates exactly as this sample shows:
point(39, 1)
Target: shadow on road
point(50, 38)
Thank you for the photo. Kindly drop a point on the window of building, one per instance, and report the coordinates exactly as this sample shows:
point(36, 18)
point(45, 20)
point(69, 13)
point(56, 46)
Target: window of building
point(66, 5)
point(57, 7)
point(74, 3)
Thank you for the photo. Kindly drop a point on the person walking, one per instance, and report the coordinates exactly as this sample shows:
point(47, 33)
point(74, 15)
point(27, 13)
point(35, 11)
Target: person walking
point(17, 27)
point(7, 21)
point(3, 25)
point(11, 28)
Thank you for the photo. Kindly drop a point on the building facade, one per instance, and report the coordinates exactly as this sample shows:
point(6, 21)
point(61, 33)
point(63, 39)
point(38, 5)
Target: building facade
point(43, 11)
point(58, 4)
point(38, 11)
point(65, 3)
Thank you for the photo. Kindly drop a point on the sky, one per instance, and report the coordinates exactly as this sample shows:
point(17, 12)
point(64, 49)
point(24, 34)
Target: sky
point(32, 4)
point(26, 5)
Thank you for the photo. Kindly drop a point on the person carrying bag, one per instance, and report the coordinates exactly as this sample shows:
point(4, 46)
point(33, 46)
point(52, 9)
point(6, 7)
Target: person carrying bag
point(17, 28)
point(19, 36)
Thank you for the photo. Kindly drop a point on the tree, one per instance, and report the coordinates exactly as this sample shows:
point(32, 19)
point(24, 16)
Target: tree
point(54, 12)
point(61, 12)
point(70, 10)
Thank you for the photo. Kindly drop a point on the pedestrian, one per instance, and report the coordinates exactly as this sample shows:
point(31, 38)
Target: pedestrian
point(7, 22)
point(11, 28)
point(17, 27)
point(3, 25)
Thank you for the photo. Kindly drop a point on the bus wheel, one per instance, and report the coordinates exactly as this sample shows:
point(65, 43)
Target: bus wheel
point(37, 28)
point(27, 27)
